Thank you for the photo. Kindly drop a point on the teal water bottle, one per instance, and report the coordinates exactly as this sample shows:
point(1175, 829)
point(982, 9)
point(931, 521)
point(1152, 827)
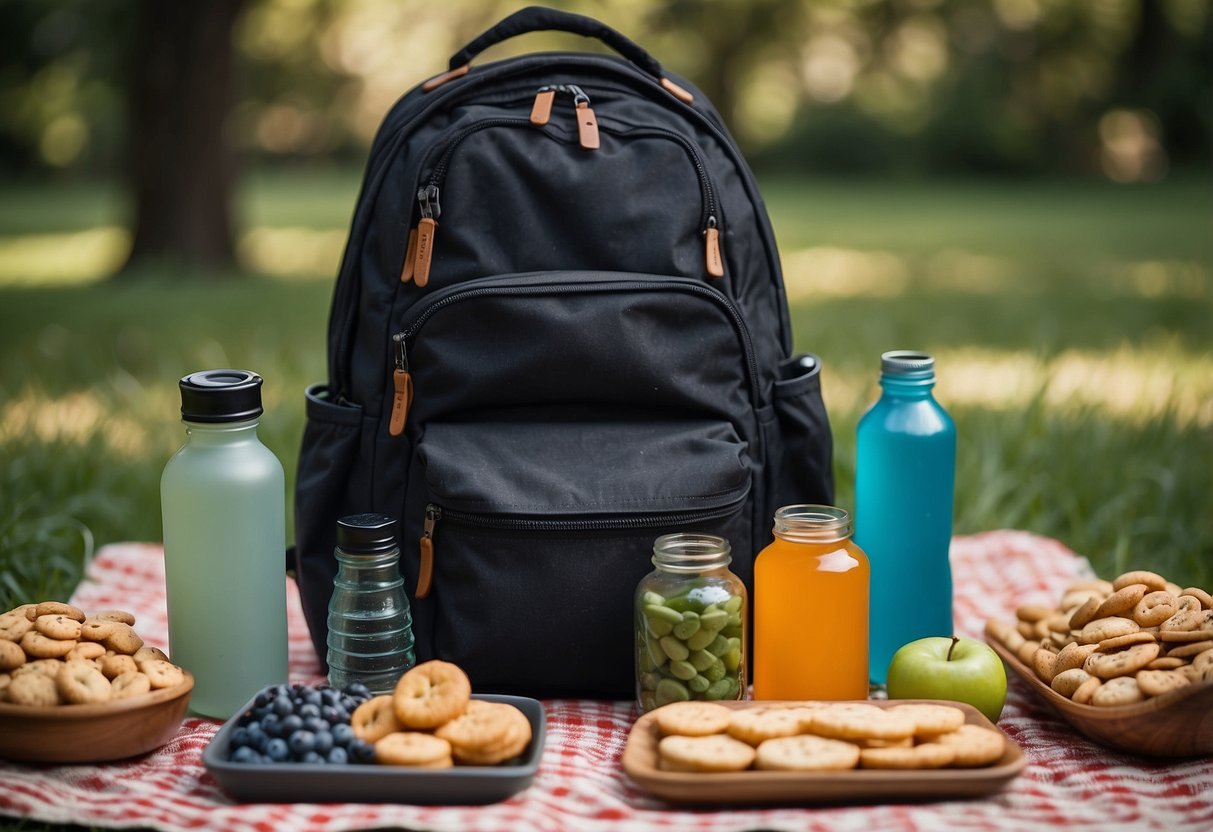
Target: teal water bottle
point(905, 473)
point(370, 636)
point(223, 500)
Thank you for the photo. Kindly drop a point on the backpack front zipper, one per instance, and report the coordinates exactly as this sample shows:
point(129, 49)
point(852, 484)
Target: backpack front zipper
point(419, 250)
point(402, 383)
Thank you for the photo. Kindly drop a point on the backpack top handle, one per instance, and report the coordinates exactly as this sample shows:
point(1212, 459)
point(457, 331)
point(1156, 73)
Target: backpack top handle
point(540, 18)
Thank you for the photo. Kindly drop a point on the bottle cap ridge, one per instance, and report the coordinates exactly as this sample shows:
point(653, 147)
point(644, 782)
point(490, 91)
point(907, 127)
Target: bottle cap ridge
point(366, 533)
point(215, 396)
point(907, 364)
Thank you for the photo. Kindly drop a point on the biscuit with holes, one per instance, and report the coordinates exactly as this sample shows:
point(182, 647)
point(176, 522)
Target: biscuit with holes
point(39, 646)
point(81, 683)
point(96, 629)
point(59, 627)
point(717, 752)
point(1206, 600)
point(13, 625)
point(412, 748)
point(375, 718)
point(470, 749)
point(86, 650)
point(930, 719)
point(975, 746)
point(129, 685)
point(162, 674)
point(113, 666)
point(923, 756)
point(692, 719)
point(36, 689)
point(807, 753)
point(431, 694)
point(1124, 662)
point(1154, 608)
point(757, 725)
point(845, 721)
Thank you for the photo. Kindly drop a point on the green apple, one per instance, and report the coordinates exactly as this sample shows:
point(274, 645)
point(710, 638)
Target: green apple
point(960, 669)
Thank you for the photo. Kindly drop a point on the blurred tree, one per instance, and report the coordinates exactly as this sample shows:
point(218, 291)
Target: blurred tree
point(181, 167)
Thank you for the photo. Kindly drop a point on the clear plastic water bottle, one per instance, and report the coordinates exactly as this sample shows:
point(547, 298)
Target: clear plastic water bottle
point(905, 475)
point(370, 625)
point(223, 502)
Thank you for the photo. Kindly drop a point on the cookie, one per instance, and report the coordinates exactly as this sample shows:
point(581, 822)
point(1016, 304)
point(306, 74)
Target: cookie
point(57, 608)
point(162, 674)
point(30, 611)
point(1121, 663)
point(1150, 580)
point(807, 753)
point(129, 685)
point(58, 627)
point(11, 656)
point(1189, 649)
point(1073, 655)
point(1032, 613)
point(44, 667)
point(481, 726)
point(87, 650)
point(113, 666)
point(1083, 694)
point(81, 683)
point(1113, 693)
point(431, 694)
point(713, 753)
point(1121, 601)
point(693, 719)
point(859, 721)
point(1108, 645)
point(96, 629)
point(123, 639)
point(36, 689)
point(931, 719)
point(146, 653)
point(515, 740)
point(974, 746)
point(39, 646)
point(5, 680)
point(1027, 650)
point(756, 725)
point(1187, 625)
point(1104, 628)
point(13, 625)
point(1068, 681)
point(375, 718)
point(926, 755)
point(1154, 608)
point(1085, 613)
point(1206, 600)
point(1158, 682)
point(1166, 663)
point(1045, 665)
point(411, 748)
point(121, 616)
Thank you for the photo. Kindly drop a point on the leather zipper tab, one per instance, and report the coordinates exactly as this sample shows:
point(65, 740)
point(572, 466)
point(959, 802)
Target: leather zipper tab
point(711, 240)
point(425, 250)
point(425, 568)
point(587, 126)
point(541, 110)
point(410, 253)
point(402, 384)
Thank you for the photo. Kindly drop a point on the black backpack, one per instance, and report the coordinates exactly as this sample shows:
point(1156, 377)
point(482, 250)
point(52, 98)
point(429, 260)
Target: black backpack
point(559, 331)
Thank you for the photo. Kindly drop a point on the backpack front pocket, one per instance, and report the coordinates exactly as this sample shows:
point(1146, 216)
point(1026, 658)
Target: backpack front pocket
point(532, 537)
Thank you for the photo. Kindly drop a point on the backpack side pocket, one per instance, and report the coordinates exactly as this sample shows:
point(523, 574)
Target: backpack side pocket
point(800, 462)
point(324, 492)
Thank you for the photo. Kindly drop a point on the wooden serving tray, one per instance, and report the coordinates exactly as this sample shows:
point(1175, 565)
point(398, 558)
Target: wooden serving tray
point(793, 787)
point(1176, 724)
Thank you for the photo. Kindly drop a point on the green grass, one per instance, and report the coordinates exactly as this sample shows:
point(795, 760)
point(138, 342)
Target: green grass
point(1072, 322)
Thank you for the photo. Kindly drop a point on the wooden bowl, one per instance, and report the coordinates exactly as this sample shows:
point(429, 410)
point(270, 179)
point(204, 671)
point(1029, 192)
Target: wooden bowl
point(1176, 724)
point(93, 733)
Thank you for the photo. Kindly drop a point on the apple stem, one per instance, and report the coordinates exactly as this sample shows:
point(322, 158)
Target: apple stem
point(955, 639)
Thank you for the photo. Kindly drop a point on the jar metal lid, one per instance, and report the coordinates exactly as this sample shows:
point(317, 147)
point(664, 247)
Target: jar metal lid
point(691, 552)
point(907, 364)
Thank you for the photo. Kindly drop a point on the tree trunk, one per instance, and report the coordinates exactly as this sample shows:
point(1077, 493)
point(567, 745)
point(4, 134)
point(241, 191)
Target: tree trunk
point(181, 167)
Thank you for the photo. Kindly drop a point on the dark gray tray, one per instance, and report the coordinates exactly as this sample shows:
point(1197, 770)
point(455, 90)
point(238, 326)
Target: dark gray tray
point(307, 783)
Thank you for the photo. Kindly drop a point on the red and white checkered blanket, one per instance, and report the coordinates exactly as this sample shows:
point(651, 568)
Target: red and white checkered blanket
point(580, 786)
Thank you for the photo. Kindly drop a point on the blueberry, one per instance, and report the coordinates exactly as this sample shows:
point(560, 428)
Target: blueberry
point(302, 742)
point(291, 724)
point(330, 714)
point(358, 689)
point(324, 742)
point(277, 750)
point(361, 751)
point(257, 738)
point(264, 697)
point(240, 738)
point(342, 734)
point(330, 697)
point(244, 754)
point(312, 757)
point(262, 712)
point(308, 709)
point(312, 697)
point(315, 724)
point(338, 756)
point(272, 725)
point(283, 705)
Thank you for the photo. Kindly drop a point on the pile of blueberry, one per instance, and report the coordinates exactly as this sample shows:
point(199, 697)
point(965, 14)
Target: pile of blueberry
point(301, 724)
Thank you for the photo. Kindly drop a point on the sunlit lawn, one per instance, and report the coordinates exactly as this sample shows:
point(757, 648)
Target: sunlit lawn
point(1072, 323)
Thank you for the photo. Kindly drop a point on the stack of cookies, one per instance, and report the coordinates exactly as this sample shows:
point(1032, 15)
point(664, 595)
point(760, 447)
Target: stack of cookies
point(1115, 643)
point(820, 736)
point(53, 654)
point(431, 721)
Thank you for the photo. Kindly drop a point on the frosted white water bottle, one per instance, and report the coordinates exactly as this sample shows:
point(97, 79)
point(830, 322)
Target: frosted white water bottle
point(223, 501)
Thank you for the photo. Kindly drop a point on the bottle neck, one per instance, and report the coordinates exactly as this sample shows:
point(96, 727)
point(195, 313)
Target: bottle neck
point(364, 567)
point(691, 553)
point(907, 388)
point(812, 524)
point(221, 433)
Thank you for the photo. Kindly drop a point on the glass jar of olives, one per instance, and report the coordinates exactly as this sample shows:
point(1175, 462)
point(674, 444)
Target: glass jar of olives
point(690, 623)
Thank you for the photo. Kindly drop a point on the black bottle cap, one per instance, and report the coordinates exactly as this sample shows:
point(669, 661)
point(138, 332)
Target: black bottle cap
point(214, 396)
point(366, 533)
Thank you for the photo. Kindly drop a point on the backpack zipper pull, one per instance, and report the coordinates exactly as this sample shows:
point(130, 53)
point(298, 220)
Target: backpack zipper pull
point(402, 383)
point(711, 240)
point(425, 570)
point(541, 110)
point(431, 209)
point(410, 253)
point(587, 122)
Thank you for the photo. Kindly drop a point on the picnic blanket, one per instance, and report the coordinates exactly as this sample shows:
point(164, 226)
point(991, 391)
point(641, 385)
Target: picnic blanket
point(1068, 782)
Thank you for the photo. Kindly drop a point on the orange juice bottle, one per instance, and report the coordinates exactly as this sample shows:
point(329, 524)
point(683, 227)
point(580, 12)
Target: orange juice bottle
point(811, 608)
